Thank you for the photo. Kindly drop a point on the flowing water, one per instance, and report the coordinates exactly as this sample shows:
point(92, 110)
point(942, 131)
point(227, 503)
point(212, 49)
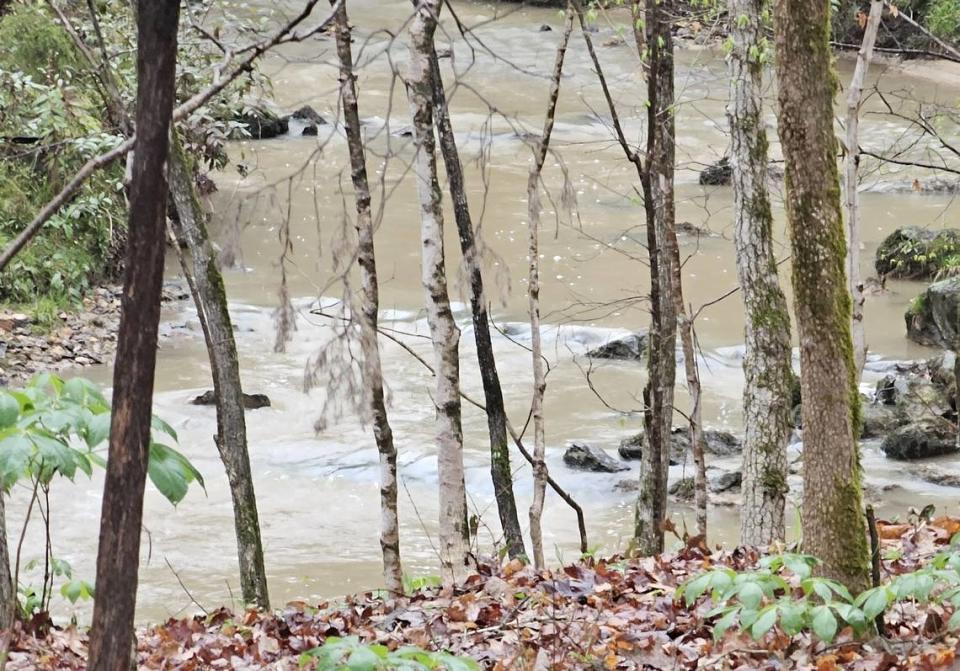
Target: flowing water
point(318, 492)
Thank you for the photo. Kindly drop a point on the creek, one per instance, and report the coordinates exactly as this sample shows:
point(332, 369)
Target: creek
point(318, 491)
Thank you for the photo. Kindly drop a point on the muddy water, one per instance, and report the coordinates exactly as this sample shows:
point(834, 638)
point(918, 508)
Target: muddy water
point(318, 492)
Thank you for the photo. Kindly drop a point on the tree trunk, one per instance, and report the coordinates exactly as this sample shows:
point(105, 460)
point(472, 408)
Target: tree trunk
point(851, 165)
point(118, 558)
point(533, 292)
point(766, 366)
point(454, 532)
point(833, 523)
point(657, 183)
point(209, 295)
point(369, 309)
point(8, 592)
point(500, 470)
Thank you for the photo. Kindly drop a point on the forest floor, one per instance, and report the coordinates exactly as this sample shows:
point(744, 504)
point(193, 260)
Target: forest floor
point(608, 614)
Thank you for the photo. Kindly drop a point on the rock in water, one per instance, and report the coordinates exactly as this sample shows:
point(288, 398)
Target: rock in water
point(263, 124)
point(587, 458)
point(717, 174)
point(913, 252)
point(920, 440)
point(309, 115)
point(717, 443)
point(725, 481)
point(250, 401)
point(628, 348)
point(684, 489)
point(931, 318)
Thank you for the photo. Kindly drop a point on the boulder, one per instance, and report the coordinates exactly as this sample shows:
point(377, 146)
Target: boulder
point(588, 458)
point(725, 481)
point(936, 477)
point(931, 318)
point(920, 440)
point(628, 348)
point(717, 443)
point(913, 252)
point(683, 489)
point(544, 28)
point(886, 390)
point(250, 401)
point(308, 115)
point(263, 124)
point(309, 130)
point(879, 420)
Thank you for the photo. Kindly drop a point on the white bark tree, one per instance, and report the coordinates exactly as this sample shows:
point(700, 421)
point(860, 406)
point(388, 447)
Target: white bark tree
point(454, 533)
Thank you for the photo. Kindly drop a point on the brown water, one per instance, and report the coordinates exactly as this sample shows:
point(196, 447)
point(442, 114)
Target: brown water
point(318, 493)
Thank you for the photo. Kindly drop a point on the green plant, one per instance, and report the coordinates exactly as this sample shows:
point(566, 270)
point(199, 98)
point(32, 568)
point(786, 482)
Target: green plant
point(350, 654)
point(417, 583)
point(57, 428)
point(756, 601)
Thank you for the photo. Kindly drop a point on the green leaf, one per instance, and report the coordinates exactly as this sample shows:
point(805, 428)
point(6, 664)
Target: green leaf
point(97, 430)
point(767, 618)
point(824, 623)
point(363, 659)
point(15, 452)
point(750, 595)
point(171, 472)
point(954, 621)
point(55, 455)
point(694, 588)
point(874, 601)
point(791, 617)
point(160, 425)
point(720, 626)
point(9, 410)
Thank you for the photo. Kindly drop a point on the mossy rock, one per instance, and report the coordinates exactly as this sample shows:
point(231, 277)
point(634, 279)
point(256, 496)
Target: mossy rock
point(931, 318)
point(921, 440)
point(913, 252)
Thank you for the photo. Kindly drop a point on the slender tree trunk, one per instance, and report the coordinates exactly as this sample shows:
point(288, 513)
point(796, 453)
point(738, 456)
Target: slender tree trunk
point(454, 532)
point(657, 183)
point(500, 470)
point(118, 558)
point(851, 165)
point(209, 294)
point(766, 367)
point(533, 291)
point(8, 592)
point(369, 308)
point(833, 522)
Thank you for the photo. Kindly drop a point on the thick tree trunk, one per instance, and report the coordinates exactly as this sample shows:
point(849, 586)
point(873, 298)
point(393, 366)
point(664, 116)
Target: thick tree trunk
point(533, 291)
point(8, 593)
point(851, 166)
point(454, 533)
point(206, 284)
point(766, 367)
point(657, 183)
point(833, 523)
point(369, 309)
point(500, 470)
point(118, 558)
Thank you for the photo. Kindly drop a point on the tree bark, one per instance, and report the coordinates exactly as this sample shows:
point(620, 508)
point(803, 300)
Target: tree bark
point(767, 364)
point(500, 470)
point(8, 593)
point(833, 523)
point(118, 558)
point(851, 166)
point(540, 473)
point(657, 183)
point(369, 309)
point(209, 295)
point(454, 532)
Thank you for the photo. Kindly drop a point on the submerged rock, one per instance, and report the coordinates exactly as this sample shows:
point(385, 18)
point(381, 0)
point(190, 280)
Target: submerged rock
point(717, 174)
point(913, 252)
point(250, 401)
point(683, 489)
point(628, 348)
point(588, 458)
point(939, 478)
point(308, 114)
point(921, 440)
point(931, 318)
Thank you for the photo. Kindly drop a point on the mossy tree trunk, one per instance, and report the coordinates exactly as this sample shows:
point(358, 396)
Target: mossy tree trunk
point(454, 532)
point(657, 183)
point(766, 367)
point(118, 557)
point(369, 309)
point(833, 520)
point(500, 470)
point(206, 285)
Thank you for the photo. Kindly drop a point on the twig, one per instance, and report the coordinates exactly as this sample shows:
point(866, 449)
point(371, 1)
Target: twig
point(184, 587)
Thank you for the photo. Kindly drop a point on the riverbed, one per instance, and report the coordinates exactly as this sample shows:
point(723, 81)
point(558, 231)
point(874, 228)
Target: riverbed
point(318, 491)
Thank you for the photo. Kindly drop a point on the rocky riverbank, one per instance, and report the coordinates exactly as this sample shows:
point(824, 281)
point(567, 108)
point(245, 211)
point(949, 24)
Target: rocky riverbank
point(85, 337)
